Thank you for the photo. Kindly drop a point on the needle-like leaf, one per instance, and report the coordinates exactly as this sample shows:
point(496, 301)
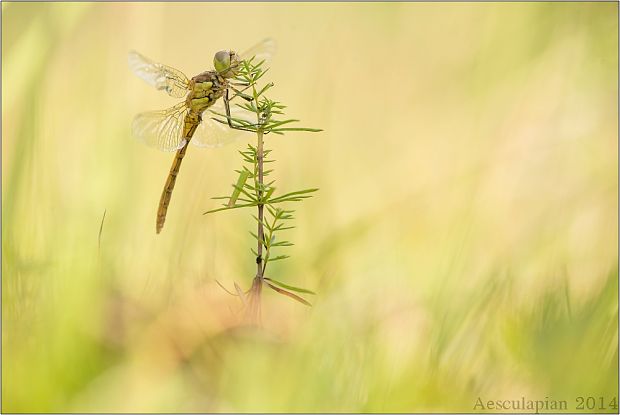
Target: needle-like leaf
point(238, 188)
point(290, 287)
point(289, 294)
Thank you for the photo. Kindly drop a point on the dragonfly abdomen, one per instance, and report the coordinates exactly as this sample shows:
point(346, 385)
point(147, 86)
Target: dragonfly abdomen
point(191, 123)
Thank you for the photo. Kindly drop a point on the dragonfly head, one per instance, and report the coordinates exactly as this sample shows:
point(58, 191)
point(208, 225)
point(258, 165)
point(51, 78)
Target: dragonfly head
point(226, 62)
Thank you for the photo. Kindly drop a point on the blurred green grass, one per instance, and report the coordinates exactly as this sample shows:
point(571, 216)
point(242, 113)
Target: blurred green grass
point(463, 243)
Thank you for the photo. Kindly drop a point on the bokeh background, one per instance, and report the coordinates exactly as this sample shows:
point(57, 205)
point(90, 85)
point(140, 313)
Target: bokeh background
point(463, 243)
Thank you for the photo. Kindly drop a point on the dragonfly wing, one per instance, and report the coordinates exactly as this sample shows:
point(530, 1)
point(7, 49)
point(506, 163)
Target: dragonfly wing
point(161, 129)
point(262, 51)
point(211, 133)
point(162, 77)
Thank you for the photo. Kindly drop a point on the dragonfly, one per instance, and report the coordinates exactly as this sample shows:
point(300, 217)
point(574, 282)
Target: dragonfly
point(174, 128)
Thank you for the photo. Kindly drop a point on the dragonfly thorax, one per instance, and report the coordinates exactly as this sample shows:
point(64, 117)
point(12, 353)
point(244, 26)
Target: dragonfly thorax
point(206, 88)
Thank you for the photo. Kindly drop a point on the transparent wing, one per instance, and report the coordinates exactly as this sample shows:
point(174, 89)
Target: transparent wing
point(264, 50)
point(161, 129)
point(162, 77)
point(211, 133)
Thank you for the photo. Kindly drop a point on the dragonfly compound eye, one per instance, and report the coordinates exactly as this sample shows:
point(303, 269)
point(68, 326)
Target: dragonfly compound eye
point(226, 63)
point(221, 61)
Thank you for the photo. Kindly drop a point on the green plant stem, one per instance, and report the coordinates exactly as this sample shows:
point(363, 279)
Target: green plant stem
point(261, 206)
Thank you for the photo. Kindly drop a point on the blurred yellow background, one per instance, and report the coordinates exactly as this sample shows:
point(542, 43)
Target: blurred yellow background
point(463, 243)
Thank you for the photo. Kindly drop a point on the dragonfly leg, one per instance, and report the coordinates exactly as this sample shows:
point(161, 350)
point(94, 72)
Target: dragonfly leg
point(227, 106)
point(239, 83)
point(228, 119)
